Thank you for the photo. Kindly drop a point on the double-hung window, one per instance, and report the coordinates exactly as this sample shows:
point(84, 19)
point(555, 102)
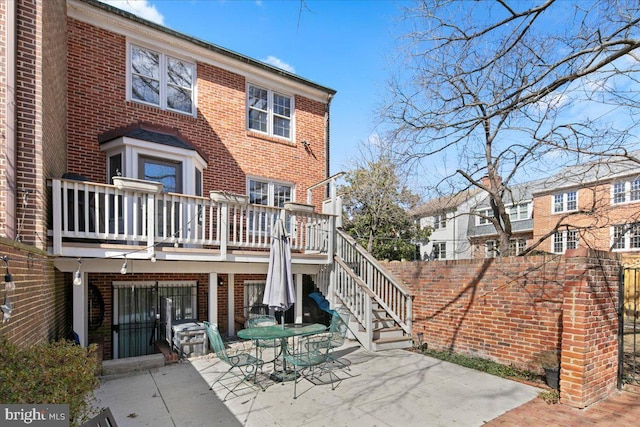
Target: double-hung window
point(564, 240)
point(161, 80)
point(565, 202)
point(626, 236)
point(440, 221)
point(269, 112)
point(484, 215)
point(267, 193)
point(519, 211)
point(439, 250)
point(626, 191)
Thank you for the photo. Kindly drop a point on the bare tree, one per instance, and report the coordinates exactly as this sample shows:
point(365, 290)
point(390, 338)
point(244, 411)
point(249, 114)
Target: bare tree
point(505, 90)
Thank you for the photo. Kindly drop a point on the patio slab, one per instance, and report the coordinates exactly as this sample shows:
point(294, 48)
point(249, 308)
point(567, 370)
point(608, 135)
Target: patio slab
point(389, 388)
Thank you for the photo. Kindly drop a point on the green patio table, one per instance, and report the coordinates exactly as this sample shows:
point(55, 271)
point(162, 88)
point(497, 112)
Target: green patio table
point(281, 332)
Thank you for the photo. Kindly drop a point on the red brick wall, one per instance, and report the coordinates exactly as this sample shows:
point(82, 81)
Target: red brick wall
point(502, 309)
point(97, 103)
point(41, 301)
point(509, 309)
point(589, 337)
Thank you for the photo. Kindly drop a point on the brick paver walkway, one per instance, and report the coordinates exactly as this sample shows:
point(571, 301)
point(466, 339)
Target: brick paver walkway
point(621, 409)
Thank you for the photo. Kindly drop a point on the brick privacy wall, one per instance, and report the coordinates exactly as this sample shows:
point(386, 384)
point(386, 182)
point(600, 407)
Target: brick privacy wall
point(589, 355)
point(510, 309)
point(41, 301)
point(502, 309)
point(97, 103)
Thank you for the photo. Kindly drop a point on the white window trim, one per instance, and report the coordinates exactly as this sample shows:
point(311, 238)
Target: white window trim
point(564, 202)
point(132, 149)
point(270, 91)
point(564, 234)
point(517, 206)
point(627, 192)
point(626, 239)
point(272, 183)
point(163, 78)
point(246, 295)
point(487, 212)
point(434, 250)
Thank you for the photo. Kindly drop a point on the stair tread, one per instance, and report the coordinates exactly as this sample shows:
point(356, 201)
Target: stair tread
point(389, 329)
point(391, 339)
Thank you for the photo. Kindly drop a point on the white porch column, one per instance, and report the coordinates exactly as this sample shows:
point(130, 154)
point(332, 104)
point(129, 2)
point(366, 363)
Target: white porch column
point(213, 298)
point(298, 280)
point(80, 310)
point(230, 307)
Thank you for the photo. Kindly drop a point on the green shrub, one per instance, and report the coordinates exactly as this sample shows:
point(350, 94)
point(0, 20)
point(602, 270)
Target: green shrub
point(56, 373)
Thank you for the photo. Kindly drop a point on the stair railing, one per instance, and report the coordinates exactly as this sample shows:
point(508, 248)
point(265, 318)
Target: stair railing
point(388, 291)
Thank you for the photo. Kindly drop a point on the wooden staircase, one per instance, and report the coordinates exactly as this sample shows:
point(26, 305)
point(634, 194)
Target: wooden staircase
point(379, 303)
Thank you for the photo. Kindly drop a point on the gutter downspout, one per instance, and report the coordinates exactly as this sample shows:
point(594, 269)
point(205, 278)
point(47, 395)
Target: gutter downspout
point(327, 140)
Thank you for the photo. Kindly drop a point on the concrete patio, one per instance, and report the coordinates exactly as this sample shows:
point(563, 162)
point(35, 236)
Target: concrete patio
point(388, 388)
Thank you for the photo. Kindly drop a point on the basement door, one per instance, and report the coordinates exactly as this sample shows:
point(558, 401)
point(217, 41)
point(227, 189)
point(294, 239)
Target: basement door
point(136, 313)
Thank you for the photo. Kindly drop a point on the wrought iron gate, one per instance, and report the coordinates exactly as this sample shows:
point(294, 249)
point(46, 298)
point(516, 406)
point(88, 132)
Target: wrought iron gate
point(630, 327)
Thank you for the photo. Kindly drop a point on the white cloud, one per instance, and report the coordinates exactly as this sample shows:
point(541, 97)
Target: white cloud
point(141, 8)
point(272, 60)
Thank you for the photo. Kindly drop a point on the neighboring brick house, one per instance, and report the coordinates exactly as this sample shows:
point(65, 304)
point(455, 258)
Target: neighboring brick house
point(234, 143)
point(596, 205)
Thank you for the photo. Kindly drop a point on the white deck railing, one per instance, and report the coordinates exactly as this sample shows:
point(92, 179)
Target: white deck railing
point(91, 212)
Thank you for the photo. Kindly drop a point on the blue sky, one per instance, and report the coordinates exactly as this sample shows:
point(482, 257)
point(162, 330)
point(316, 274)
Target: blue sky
point(341, 44)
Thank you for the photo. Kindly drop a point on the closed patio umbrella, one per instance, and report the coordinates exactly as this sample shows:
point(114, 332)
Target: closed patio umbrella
point(279, 292)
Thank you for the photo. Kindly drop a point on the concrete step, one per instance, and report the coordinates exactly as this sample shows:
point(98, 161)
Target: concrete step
point(131, 364)
point(382, 344)
point(393, 332)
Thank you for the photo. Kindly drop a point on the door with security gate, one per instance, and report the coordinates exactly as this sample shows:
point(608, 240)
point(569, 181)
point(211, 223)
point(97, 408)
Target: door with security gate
point(136, 313)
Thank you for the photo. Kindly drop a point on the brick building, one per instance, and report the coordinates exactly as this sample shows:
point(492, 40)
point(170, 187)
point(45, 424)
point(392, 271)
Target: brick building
point(208, 148)
point(594, 205)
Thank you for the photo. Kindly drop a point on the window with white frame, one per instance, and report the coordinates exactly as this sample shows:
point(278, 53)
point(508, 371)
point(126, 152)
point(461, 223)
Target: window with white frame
point(269, 112)
point(267, 193)
point(565, 202)
point(180, 170)
point(625, 191)
point(253, 296)
point(483, 216)
point(158, 79)
point(626, 236)
point(440, 222)
point(491, 249)
point(564, 240)
point(516, 247)
point(520, 211)
point(439, 250)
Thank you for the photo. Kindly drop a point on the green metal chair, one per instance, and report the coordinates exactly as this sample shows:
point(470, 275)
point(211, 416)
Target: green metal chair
point(311, 352)
point(338, 329)
point(245, 363)
point(260, 321)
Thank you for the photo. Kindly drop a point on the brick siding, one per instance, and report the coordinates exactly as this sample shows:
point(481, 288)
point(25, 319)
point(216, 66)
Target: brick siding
point(509, 309)
point(97, 103)
point(41, 301)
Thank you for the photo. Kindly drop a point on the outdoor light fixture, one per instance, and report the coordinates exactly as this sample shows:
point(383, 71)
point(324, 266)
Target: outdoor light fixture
point(77, 276)
point(123, 270)
point(8, 278)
